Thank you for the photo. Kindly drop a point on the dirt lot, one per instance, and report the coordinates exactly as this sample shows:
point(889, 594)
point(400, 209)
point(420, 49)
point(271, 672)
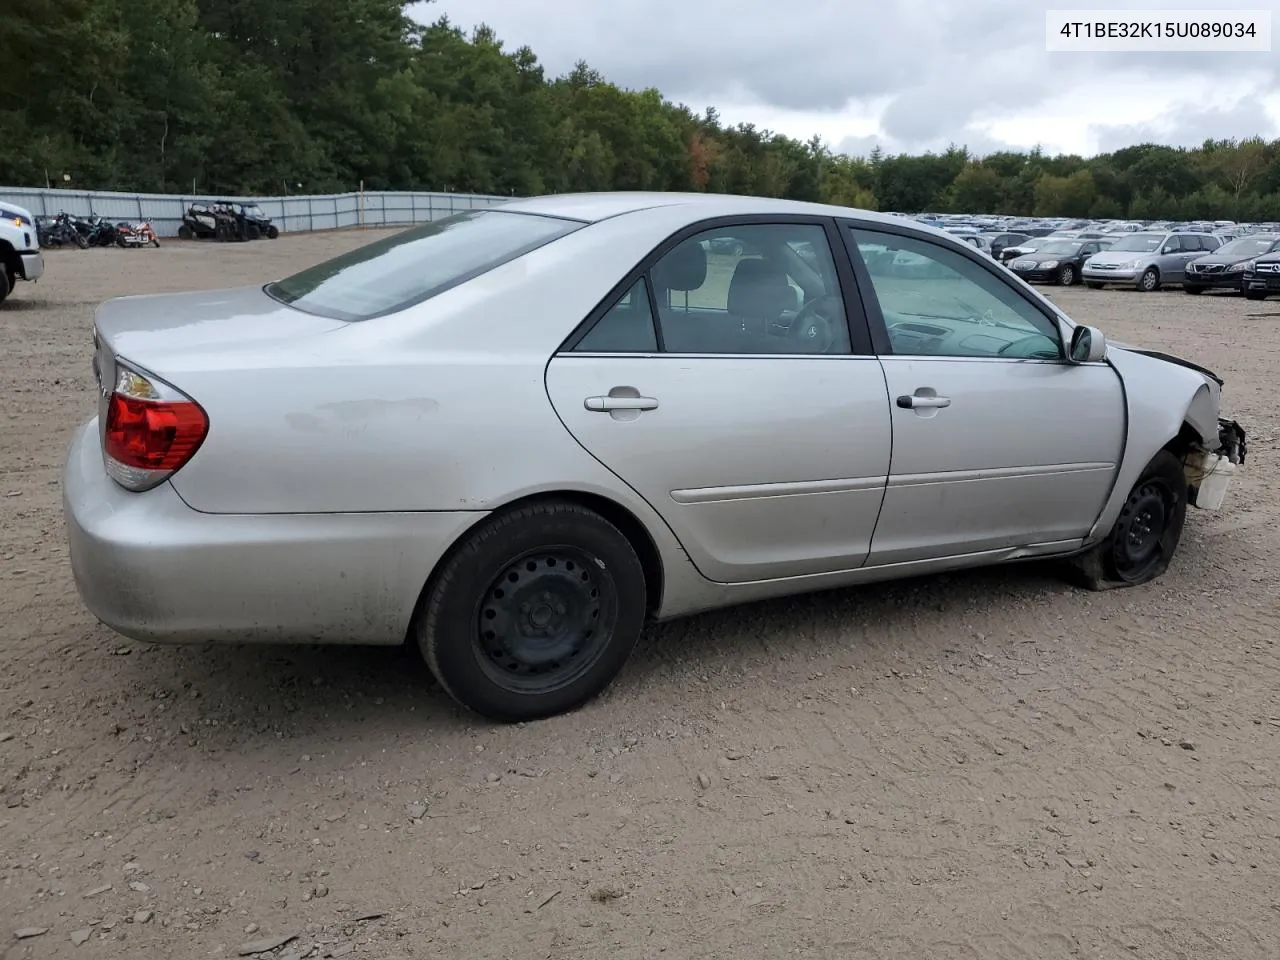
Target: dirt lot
point(991, 765)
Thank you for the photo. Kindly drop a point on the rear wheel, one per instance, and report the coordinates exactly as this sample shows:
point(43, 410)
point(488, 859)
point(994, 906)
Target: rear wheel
point(1067, 275)
point(535, 614)
point(1150, 280)
point(1146, 534)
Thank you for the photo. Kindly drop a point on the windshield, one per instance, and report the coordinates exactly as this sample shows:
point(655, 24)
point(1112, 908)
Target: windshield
point(1060, 247)
point(1248, 247)
point(1137, 243)
point(410, 267)
point(253, 210)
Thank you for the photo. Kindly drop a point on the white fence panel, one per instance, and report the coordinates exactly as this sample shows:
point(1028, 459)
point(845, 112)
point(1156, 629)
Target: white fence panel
point(290, 214)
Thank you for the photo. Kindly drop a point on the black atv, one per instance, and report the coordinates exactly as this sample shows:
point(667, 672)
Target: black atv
point(226, 221)
point(256, 222)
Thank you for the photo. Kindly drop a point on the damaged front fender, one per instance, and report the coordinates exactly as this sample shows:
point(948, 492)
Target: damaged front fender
point(1167, 401)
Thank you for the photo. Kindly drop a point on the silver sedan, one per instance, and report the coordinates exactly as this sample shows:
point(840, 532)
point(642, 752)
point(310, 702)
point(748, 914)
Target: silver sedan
point(514, 436)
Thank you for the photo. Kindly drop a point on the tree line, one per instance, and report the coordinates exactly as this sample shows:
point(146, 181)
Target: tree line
point(243, 97)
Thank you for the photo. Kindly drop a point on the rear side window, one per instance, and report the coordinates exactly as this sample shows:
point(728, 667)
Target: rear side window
point(389, 275)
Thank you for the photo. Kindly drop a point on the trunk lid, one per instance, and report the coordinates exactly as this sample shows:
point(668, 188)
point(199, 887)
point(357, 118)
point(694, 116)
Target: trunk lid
point(166, 333)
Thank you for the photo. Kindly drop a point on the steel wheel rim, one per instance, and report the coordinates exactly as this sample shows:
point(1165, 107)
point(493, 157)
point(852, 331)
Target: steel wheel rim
point(545, 620)
point(1139, 540)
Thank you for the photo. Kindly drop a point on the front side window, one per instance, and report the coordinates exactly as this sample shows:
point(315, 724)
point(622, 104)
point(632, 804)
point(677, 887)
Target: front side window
point(936, 301)
point(751, 289)
point(395, 273)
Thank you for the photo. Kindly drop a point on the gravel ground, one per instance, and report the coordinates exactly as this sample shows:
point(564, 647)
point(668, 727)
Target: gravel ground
point(971, 766)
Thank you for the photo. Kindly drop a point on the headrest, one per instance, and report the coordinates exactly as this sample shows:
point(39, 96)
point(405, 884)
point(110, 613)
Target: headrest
point(759, 289)
point(684, 268)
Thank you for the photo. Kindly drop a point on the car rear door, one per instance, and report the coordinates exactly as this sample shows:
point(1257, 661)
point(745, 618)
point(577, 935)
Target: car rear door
point(764, 443)
point(994, 446)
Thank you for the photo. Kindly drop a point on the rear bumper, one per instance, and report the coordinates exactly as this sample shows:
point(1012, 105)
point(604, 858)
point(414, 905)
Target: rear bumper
point(32, 264)
point(152, 568)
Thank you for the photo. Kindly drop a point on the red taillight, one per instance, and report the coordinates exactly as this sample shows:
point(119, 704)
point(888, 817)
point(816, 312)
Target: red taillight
point(151, 430)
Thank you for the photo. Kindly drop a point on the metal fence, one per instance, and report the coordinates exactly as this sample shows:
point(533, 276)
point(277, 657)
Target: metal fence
point(326, 212)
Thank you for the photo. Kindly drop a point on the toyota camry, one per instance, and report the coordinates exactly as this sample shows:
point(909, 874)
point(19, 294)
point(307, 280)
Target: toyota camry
point(513, 436)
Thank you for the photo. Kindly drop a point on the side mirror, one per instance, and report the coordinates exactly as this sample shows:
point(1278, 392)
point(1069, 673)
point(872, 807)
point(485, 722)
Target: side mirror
point(1088, 345)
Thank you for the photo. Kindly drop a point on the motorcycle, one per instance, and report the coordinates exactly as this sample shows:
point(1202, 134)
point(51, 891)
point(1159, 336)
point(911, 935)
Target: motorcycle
point(102, 232)
point(65, 229)
point(136, 234)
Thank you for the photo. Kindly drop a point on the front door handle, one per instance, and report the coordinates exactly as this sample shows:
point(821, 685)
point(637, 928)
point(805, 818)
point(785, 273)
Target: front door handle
point(909, 402)
point(606, 404)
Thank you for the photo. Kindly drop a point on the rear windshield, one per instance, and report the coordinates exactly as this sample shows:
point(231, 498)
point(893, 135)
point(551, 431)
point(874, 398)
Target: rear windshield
point(410, 267)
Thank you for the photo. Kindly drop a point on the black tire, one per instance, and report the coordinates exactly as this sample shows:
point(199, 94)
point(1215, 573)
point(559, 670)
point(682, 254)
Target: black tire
point(1067, 275)
point(1146, 534)
point(1254, 295)
point(255, 233)
point(545, 583)
point(1149, 282)
point(1093, 284)
point(155, 242)
point(6, 283)
point(1191, 288)
point(186, 233)
point(81, 241)
point(272, 232)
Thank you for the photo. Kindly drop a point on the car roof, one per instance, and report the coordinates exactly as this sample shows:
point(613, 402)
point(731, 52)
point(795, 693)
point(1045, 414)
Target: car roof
point(593, 207)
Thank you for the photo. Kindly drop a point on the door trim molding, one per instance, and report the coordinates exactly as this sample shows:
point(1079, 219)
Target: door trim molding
point(756, 491)
point(996, 473)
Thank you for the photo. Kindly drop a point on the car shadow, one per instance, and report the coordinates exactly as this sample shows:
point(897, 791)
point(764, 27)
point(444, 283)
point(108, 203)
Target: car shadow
point(231, 698)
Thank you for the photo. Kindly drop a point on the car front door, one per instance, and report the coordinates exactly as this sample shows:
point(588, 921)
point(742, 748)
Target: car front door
point(998, 441)
point(725, 383)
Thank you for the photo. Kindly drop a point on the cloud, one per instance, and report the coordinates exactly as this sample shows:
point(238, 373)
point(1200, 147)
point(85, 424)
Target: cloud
point(915, 74)
point(1192, 125)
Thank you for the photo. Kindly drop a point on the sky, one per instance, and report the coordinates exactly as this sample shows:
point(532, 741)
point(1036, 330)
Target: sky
point(908, 75)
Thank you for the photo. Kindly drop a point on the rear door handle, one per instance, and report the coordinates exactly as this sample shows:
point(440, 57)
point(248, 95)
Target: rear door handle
point(605, 404)
point(909, 402)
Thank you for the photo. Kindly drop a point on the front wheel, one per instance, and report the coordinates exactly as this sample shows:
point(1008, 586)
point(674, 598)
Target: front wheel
point(1093, 284)
point(1067, 275)
point(535, 613)
point(1146, 534)
point(1191, 288)
point(186, 233)
point(1254, 295)
point(6, 283)
point(272, 232)
point(1149, 281)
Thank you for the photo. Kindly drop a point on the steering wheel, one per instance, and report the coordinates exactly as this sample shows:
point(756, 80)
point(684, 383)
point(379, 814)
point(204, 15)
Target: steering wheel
point(1050, 352)
point(814, 329)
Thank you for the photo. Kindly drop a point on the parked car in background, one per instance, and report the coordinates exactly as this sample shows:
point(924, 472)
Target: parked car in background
point(999, 241)
point(1022, 249)
point(1226, 266)
point(20, 256)
point(1058, 261)
point(582, 419)
point(1147, 260)
point(1262, 277)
